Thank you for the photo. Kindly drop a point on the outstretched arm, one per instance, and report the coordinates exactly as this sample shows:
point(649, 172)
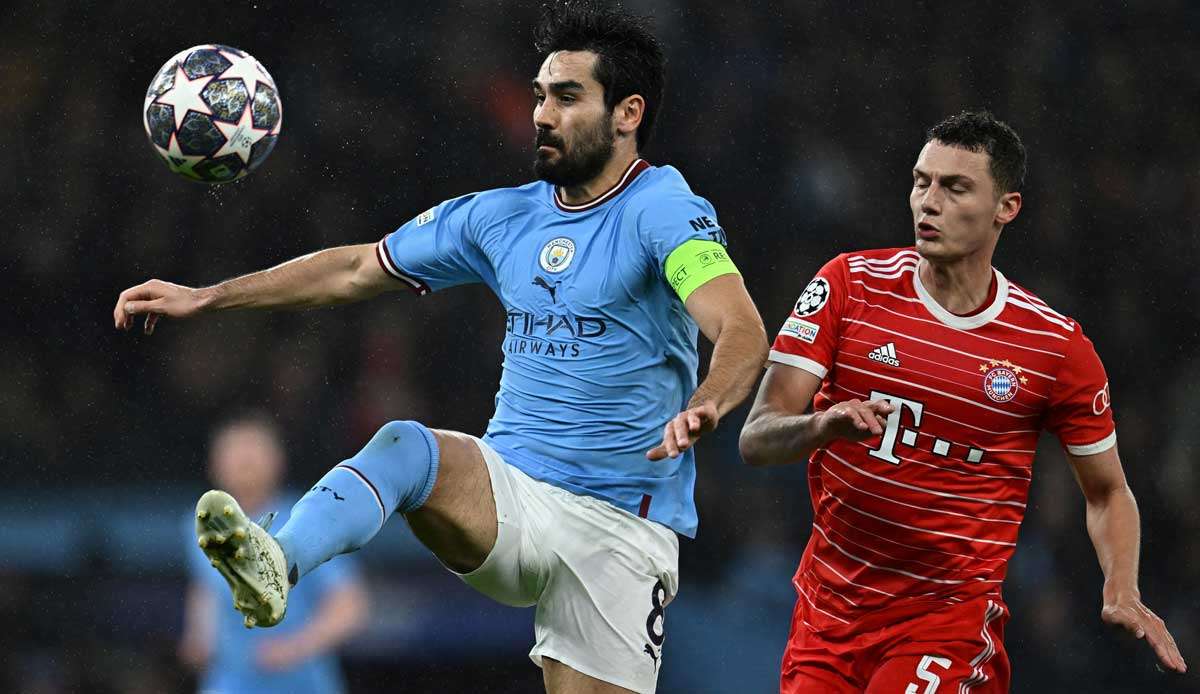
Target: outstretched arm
point(778, 431)
point(727, 316)
point(1114, 526)
point(333, 276)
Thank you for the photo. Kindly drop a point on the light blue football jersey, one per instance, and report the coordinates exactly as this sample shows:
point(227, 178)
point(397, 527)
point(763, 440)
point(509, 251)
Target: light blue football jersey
point(599, 351)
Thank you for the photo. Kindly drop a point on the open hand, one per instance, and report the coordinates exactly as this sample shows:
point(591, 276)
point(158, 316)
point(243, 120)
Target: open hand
point(155, 299)
point(681, 432)
point(1132, 615)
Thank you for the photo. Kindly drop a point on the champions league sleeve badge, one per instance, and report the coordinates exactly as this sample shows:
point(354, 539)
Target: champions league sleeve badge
point(556, 255)
point(814, 297)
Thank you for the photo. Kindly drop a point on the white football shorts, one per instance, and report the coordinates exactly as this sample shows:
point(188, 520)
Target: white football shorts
point(600, 576)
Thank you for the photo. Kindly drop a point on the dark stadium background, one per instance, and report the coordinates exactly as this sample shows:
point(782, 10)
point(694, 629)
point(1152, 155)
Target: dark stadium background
point(800, 123)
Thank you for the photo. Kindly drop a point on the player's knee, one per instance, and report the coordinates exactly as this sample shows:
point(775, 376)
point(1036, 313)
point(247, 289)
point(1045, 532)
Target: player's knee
point(406, 452)
point(400, 433)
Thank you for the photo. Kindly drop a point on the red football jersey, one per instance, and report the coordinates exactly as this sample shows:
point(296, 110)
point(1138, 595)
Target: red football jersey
point(929, 511)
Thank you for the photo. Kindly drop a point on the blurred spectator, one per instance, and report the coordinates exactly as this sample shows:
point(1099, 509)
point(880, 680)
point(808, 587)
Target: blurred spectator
point(246, 459)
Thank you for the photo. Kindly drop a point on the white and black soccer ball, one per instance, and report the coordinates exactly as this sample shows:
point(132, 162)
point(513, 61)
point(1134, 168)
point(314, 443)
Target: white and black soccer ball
point(814, 297)
point(212, 113)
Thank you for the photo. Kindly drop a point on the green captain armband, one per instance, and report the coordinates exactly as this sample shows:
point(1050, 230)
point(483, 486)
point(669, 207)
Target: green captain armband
point(695, 262)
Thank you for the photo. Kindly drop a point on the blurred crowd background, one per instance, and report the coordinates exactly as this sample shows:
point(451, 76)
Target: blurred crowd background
point(798, 120)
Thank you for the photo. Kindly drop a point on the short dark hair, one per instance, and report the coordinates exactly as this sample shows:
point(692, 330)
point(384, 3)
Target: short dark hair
point(629, 58)
point(980, 131)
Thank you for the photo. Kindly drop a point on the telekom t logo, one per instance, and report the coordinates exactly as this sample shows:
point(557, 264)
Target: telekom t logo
point(908, 433)
point(888, 442)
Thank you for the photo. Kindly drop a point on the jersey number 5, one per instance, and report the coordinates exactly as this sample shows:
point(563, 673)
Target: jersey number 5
point(932, 681)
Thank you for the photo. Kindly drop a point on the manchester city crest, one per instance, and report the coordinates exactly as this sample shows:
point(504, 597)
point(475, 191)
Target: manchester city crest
point(556, 255)
point(1001, 380)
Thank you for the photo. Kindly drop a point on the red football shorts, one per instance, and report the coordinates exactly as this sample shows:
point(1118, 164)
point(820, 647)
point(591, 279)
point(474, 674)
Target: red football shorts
point(956, 649)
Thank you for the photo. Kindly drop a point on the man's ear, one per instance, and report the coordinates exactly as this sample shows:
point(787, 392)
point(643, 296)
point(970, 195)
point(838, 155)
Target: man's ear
point(1008, 207)
point(627, 115)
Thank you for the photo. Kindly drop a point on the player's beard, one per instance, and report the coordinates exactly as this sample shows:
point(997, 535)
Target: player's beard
point(582, 162)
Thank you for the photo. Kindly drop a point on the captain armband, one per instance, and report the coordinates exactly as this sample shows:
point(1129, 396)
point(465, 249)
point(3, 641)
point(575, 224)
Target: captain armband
point(695, 262)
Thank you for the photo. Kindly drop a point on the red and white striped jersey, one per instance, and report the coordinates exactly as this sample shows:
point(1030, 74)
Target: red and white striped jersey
point(930, 510)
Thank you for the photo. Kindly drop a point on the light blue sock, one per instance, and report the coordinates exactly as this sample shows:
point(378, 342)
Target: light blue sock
point(395, 471)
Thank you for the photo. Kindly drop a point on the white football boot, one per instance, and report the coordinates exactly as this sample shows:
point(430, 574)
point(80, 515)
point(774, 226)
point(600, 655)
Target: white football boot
point(246, 555)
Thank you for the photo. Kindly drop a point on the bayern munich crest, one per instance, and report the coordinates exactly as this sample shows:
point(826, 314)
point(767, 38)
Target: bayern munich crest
point(1001, 380)
point(556, 255)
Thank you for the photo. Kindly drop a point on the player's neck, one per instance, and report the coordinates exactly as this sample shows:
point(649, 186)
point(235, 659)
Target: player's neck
point(609, 177)
point(960, 286)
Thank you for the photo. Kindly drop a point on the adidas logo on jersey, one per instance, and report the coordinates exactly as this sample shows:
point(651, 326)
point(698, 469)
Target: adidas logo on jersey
point(885, 354)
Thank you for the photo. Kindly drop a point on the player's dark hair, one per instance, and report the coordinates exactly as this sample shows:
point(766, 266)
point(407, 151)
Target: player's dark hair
point(629, 58)
point(980, 131)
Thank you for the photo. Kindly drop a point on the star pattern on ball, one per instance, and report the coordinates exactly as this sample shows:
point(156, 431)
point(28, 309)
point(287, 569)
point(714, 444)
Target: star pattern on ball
point(179, 162)
point(240, 136)
point(184, 96)
point(244, 68)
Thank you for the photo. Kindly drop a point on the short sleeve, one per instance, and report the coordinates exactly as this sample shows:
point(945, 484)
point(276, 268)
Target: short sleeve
point(808, 339)
point(674, 220)
point(436, 249)
point(1080, 408)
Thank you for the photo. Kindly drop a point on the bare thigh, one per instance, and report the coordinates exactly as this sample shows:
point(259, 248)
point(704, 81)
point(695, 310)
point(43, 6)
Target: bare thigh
point(561, 679)
point(458, 521)
point(458, 524)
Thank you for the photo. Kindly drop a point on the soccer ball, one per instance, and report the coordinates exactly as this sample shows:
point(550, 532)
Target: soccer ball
point(212, 113)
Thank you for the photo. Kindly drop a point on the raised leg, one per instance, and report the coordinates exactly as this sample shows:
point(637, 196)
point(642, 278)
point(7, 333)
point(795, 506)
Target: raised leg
point(437, 479)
